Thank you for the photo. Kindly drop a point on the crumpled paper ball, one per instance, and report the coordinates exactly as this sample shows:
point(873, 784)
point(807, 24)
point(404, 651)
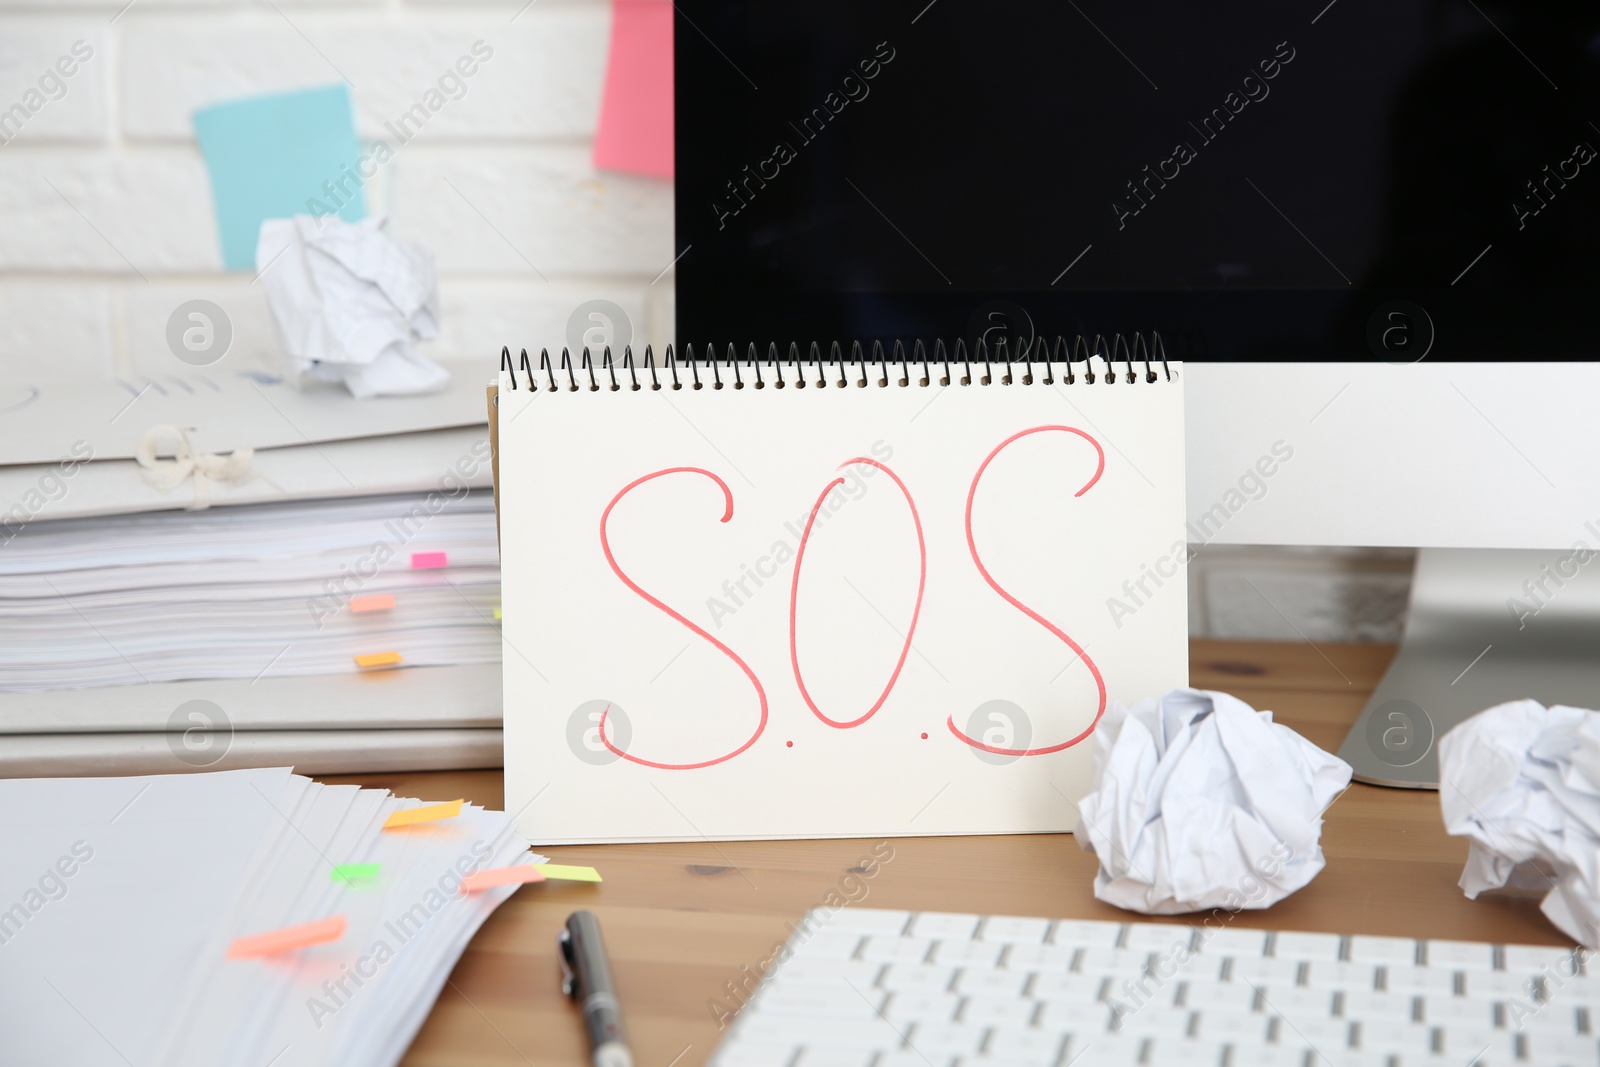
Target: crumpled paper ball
point(350, 303)
point(1201, 802)
point(1522, 782)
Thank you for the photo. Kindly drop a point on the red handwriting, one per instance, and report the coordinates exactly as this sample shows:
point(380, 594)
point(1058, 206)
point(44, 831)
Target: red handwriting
point(972, 547)
point(794, 596)
point(605, 544)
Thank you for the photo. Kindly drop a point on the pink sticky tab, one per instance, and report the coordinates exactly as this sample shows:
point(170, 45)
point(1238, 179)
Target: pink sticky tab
point(288, 939)
point(635, 133)
point(376, 602)
point(480, 880)
point(427, 561)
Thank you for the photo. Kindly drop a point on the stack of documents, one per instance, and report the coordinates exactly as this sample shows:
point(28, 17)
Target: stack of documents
point(316, 587)
point(246, 917)
point(215, 569)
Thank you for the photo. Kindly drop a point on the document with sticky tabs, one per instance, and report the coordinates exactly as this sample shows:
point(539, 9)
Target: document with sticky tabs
point(425, 813)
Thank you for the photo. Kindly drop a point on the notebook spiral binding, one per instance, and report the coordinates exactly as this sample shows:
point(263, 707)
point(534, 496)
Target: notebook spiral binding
point(564, 374)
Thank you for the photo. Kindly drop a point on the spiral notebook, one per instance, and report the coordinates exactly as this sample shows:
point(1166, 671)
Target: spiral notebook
point(885, 594)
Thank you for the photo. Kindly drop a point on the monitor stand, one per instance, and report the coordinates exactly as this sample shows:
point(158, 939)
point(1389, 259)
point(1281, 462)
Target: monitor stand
point(1485, 626)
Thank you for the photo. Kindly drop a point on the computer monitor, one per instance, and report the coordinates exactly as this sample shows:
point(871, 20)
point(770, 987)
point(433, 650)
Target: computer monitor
point(1250, 179)
point(1403, 182)
point(1487, 467)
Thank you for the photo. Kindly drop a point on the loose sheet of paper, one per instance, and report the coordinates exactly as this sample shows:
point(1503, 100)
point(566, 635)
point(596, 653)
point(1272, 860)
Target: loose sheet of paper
point(791, 612)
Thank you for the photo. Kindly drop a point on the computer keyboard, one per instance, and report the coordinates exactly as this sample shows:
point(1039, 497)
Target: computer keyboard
point(867, 988)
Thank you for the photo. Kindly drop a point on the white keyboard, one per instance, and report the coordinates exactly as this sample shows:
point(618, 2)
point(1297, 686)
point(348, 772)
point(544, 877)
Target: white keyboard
point(869, 988)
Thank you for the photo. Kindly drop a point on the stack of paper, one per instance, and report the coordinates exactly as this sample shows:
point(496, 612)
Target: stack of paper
point(245, 917)
point(318, 587)
point(349, 635)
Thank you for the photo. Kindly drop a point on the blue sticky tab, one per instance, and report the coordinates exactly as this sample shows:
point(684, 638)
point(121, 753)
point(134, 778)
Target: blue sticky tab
point(273, 156)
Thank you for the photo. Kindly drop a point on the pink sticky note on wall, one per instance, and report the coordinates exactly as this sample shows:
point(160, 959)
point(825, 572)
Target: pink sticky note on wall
point(635, 133)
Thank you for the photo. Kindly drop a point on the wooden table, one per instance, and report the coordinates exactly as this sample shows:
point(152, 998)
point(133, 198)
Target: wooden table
point(682, 920)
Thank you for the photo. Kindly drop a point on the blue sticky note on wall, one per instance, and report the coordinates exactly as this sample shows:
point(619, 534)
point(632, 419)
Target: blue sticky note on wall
point(275, 156)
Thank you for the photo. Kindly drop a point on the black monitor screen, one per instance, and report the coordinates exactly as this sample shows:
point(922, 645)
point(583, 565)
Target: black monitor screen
point(1248, 178)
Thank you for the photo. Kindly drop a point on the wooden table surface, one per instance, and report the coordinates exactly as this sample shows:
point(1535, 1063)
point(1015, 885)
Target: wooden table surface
point(683, 920)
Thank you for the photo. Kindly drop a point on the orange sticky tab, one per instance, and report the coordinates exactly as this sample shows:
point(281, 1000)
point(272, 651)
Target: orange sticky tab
point(288, 939)
point(426, 813)
point(377, 659)
point(375, 602)
point(479, 880)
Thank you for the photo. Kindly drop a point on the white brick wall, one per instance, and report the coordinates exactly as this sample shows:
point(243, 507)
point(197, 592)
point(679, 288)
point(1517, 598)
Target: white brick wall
point(106, 217)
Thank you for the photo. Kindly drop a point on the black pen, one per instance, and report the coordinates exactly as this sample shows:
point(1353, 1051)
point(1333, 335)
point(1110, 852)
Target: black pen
point(586, 978)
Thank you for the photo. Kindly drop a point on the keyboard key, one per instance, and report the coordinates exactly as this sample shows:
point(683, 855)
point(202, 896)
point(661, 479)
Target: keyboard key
point(1183, 1052)
point(1013, 931)
point(1269, 1056)
point(867, 921)
point(1558, 1017)
point(1221, 996)
point(1531, 959)
point(1297, 1002)
point(1296, 945)
point(1232, 941)
point(912, 978)
point(1409, 978)
point(1159, 938)
point(757, 1027)
point(836, 1057)
point(1115, 961)
point(1085, 934)
point(1380, 1007)
point(1021, 1048)
point(968, 953)
point(1040, 957)
point(1362, 977)
point(908, 1058)
point(1450, 1012)
point(944, 925)
point(956, 1039)
point(998, 1011)
point(1081, 1017)
point(992, 983)
point(1365, 949)
point(826, 945)
point(1238, 1027)
point(1463, 1043)
point(881, 949)
point(748, 1054)
point(828, 972)
point(1496, 985)
point(1104, 1051)
point(906, 1008)
point(1319, 1035)
point(1548, 1050)
point(1155, 1020)
point(1460, 955)
point(1257, 971)
point(1357, 1058)
point(1084, 988)
point(1396, 1038)
point(820, 1002)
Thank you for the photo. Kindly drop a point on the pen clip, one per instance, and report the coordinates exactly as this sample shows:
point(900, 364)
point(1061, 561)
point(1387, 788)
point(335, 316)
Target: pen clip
point(564, 950)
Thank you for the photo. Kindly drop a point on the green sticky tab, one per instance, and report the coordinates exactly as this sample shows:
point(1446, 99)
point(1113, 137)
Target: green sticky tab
point(355, 872)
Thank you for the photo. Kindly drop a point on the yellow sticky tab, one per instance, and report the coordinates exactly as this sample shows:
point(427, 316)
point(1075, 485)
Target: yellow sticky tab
point(497, 614)
point(569, 874)
point(426, 813)
point(377, 659)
